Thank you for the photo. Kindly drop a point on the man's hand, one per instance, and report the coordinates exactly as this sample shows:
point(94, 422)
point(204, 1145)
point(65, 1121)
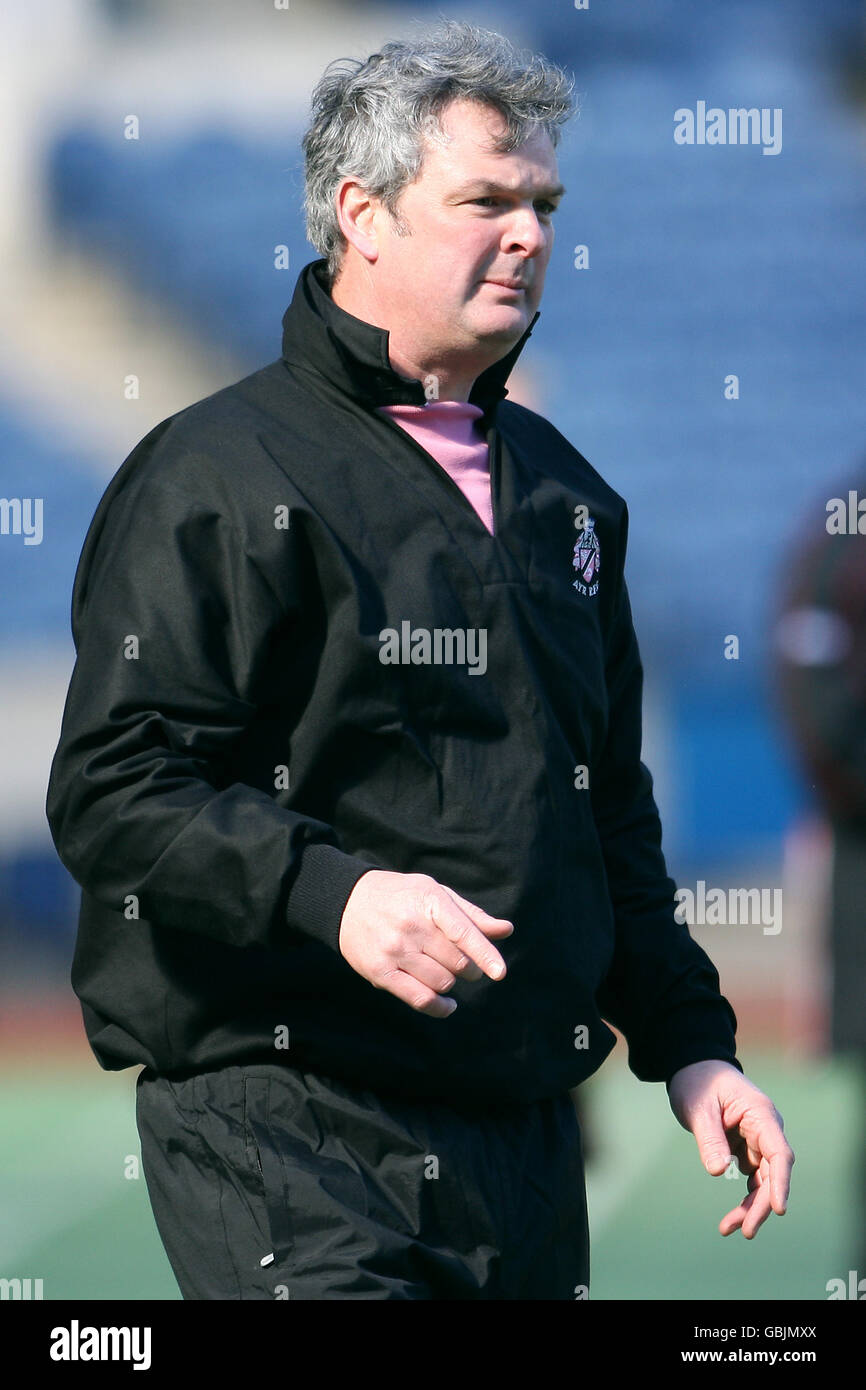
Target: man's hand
point(412, 936)
point(729, 1116)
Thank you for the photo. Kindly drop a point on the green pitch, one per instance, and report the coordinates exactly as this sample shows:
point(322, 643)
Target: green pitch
point(74, 1210)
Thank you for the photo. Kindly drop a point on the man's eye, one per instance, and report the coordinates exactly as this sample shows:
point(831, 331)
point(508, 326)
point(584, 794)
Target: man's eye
point(543, 206)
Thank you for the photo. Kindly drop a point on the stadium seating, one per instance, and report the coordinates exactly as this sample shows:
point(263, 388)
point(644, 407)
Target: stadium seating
point(704, 262)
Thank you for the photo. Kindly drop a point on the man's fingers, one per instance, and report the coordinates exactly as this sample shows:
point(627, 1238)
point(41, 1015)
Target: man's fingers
point(711, 1139)
point(457, 925)
point(750, 1215)
point(427, 971)
point(758, 1212)
point(780, 1179)
point(781, 1159)
point(423, 939)
point(468, 969)
point(437, 947)
point(491, 926)
point(768, 1147)
point(759, 1202)
point(769, 1183)
point(734, 1219)
point(417, 995)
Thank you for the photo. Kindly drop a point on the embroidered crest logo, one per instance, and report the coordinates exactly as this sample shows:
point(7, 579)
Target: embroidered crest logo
point(587, 558)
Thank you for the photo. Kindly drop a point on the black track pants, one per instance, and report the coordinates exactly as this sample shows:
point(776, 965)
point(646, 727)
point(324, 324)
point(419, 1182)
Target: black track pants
point(268, 1182)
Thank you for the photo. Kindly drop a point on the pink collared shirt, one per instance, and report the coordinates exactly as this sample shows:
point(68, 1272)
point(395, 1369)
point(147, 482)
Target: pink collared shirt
point(448, 430)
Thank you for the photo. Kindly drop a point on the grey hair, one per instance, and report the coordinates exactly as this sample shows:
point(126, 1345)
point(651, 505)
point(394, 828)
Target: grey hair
point(371, 117)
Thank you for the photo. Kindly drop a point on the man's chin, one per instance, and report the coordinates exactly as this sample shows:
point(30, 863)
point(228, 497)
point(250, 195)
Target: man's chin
point(503, 326)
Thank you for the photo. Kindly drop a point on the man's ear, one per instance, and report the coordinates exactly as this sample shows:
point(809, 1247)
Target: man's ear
point(357, 214)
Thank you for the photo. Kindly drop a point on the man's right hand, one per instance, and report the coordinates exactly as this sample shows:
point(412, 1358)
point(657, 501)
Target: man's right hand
point(412, 936)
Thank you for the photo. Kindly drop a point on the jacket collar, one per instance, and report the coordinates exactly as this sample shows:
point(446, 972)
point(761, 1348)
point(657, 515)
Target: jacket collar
point(318, 334)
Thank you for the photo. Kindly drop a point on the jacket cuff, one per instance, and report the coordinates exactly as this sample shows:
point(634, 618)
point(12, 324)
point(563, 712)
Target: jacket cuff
point(701, 1030)
point(321, 890)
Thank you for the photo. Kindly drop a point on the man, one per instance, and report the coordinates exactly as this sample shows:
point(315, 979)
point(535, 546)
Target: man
point(350, 765)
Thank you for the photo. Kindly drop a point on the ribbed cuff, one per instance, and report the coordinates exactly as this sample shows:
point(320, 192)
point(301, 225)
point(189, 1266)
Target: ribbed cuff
point(321, 890)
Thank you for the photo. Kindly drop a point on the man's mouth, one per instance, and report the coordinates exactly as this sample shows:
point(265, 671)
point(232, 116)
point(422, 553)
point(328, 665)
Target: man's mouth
point(508, 284)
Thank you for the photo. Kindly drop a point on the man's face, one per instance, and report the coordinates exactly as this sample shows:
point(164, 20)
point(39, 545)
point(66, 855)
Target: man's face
point(476, 217)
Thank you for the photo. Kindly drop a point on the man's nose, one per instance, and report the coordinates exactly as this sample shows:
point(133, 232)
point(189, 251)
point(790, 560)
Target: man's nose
point(527, 232)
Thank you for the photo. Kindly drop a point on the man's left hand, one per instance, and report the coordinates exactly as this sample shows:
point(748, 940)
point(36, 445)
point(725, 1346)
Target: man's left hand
point(730, 1117)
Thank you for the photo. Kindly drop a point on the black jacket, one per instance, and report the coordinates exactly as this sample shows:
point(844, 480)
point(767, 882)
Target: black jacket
point(235, 753)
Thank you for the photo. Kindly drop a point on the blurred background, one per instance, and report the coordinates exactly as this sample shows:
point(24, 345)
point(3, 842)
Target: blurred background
point(708, 358)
